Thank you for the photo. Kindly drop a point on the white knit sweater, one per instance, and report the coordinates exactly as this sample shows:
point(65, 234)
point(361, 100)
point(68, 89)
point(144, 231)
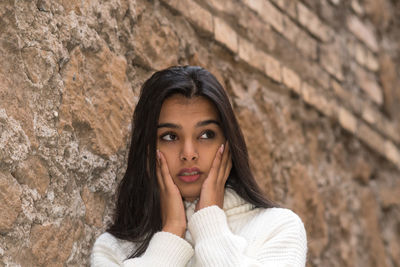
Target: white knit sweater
point(238, 235)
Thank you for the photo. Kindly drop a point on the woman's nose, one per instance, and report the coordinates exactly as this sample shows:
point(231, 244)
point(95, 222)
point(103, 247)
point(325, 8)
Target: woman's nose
point(188, 152)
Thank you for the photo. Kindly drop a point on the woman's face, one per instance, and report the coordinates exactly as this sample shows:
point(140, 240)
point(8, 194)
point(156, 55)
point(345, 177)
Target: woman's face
point(189, 135)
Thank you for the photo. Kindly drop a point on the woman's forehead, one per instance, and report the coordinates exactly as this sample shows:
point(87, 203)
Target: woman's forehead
point(179, 107)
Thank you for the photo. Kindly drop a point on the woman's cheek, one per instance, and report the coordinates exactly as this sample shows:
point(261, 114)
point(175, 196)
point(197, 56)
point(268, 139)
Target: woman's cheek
point(171, 158)
point(209, 155)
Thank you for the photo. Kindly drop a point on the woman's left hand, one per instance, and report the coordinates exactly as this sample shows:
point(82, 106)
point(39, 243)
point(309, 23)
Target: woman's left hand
point(213, 188)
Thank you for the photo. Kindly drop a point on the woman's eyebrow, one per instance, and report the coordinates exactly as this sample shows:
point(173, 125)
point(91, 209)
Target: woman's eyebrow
point(206, 122)
point(169, 125)
point(176, 126)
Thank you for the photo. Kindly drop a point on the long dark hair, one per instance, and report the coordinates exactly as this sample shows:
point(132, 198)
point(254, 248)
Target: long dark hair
point(137, 216)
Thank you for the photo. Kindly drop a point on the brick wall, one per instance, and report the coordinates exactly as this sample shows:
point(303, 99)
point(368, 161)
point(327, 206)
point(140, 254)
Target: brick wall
point(314, 84)
point(295, 26)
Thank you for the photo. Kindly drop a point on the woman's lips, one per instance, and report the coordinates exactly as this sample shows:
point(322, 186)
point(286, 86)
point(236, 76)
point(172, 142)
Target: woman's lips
point(189, 178)
point(189, 175)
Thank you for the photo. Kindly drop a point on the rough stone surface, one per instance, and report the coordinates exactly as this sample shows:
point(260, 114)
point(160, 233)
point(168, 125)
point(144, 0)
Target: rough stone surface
point(199, 16)
point(347, 120)
point(363, 32)
point(52, 244)
point(375, 246)
point(97, 98)
point(224, 34)
point(291, 79)
point(33, 173)
point(369, 85)
point(313, 23)
point(267, 12)
point(10, 201)
point(310, 206)
point(331, 59)
point(94, 205)
point(314, 85)
point(11, 134)
point(390, 81)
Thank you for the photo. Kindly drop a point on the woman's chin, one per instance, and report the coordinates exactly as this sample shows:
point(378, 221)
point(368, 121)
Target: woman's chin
point(190, 195)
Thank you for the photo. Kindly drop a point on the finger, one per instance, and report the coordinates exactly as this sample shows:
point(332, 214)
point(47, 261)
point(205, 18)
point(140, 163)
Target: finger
point(165, 171)
point(228, 165)
point(228, 168)
point(224, 162)
point(160, 180)
point(213, 174)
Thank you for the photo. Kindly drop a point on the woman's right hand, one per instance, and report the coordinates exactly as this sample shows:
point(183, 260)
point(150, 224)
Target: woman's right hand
point(172, 209)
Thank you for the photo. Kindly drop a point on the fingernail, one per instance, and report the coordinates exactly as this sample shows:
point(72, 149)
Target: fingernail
point(222, 149)
point(158, 154)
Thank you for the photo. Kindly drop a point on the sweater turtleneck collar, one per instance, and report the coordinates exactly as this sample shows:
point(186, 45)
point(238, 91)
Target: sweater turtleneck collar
point(233, 204)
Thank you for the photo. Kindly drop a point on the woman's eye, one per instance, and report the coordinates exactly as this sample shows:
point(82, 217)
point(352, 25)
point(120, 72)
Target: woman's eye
point(207, 135)
point(169, 137)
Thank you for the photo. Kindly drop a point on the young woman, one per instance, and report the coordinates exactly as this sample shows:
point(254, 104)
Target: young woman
point(188, 197)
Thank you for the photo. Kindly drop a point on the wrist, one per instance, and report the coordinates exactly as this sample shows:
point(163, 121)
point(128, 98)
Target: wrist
point(176, 230)
point(215, 201)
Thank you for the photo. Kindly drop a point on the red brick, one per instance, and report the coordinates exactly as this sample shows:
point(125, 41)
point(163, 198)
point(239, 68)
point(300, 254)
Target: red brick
point(268, 12)
point(307, 45)
point(362, 32)
point(291, 30)
point(369, 85)
point(335, 2)
point(273, 68)
point(297, 36)
point(315, 98)
point(256, 5)
point(392, 153)
point(227, 6)
point(372, 61)
point(369, 114)
point(347, 120)
point(288, 6)
point(307, 91)
point(256, 29)
point(249, 54)
point(237, 89)
point(355, 5)
point(225, 34)
point(327, 106)
point(259, 59)
point(311, 21)
point(346, 96)
point(371, 138)
point(317, 74)
point(351, 43)
point(291, 79)
point(390, 84)
point(360, 53)
point(391, 129)
point(196, 14)
point(389, 194)
point(373, 116)
point(331, 59)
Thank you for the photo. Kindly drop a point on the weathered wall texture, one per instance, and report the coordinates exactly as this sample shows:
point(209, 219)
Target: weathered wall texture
point(315, 85)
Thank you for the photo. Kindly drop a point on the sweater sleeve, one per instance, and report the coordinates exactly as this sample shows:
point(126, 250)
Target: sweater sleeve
point(273, 240)
point(165, 249)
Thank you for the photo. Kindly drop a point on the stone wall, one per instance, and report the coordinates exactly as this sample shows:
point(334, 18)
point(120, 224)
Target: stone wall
point(315, 86)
